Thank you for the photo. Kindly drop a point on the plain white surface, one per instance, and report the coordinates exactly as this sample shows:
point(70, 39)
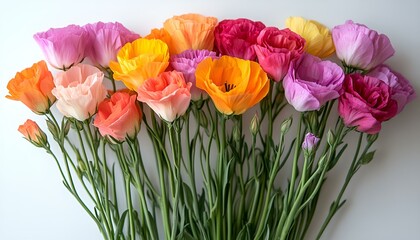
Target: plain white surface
point(383, 199)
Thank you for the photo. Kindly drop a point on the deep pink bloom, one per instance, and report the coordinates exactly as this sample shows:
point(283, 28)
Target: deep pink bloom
point(236, 37)
point(360, 47)
point(79, 91)
point(105, 41)
point(366, 103)
point(167, 94)
point(63, 47)
point(119, 116)
point(276, 49)
point(186, 62)
point(401, 89)
point(311, 82)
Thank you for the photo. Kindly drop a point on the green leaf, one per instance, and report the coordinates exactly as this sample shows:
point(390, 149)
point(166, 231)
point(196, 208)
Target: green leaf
point(366, 158)
point(120, 226)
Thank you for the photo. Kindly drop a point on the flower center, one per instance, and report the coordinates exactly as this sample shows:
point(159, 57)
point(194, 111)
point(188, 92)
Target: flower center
point(229, 87)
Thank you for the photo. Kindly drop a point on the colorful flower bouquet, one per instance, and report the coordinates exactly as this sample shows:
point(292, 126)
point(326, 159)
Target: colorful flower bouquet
point(214, 100)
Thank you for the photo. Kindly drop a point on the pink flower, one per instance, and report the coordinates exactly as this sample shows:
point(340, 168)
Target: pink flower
point(63, 47)
point(360, 47)
point(310, 142)
point(401, 89)
point(366, 103)
point(276, 49)
point(236, 37)
point(186, 62)
point(78, 91)
point(119, 117)
point(105, 41)
point(311, 82)
point(167, 94)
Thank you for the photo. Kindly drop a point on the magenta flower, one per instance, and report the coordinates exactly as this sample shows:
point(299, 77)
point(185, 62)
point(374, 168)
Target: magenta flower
point(360, 47)
point(186, 62)
point(311, 82)
point(310, 142)
point(105, 41)
point(366, 103)
point(276, 49)
point(401, 89)
point(236, 37)
point(63, 47)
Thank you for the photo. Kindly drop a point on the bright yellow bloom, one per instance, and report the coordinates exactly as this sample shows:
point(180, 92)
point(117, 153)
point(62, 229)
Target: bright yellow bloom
point(233, 84)
point(190, 31)
point(139, 61)
point(318, 37)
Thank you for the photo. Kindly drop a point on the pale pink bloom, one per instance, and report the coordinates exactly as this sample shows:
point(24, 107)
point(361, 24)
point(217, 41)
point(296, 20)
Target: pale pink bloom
point(79, 90)
point(168, 95)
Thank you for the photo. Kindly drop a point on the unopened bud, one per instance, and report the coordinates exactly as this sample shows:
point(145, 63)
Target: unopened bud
point(285, 125)
point(33, 133)
point(372, 137)
point(330, 138)
point(310, 143)
point(254, 127)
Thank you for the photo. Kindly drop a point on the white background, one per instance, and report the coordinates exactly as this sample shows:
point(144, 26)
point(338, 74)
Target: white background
point(383, 199)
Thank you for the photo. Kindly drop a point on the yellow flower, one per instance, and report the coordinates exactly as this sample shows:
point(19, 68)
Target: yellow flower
point(139, 61)
point(161, 34)
point(233, 84)
point(190, 31)
point(318, 37)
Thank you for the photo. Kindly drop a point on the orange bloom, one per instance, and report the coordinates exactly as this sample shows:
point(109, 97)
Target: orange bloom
point(31, 132)
point(233, 84)
point(33, 86)
point(190, 31)
point(160, 34)
point(139, 61)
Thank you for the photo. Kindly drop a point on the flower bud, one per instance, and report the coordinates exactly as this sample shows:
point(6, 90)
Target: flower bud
point(310, 143)
point(372, 137)
point(254, 127)
point(285, 125)
point(33, 133)
point(330, 138)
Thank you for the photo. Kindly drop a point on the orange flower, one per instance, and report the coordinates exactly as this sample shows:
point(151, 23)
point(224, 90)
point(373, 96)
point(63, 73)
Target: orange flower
point(33, 86)
point(233, 84)
point(160, 34)
point(139, 61)
point(33, 133)
point(190, 31)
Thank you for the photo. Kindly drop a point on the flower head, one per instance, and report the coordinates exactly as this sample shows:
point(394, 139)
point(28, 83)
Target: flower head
point(235, 37)
point(63, 47)
point(186, 62)
point(233, 84)
point(105, 41)
point(167, 94)
point(32, 87)
point(276, 49)
point(310, 143)
point(190, 31)
point(360, 47)
point(401, 89)
point(139, 61)
point(366, 103)
point(311, 82)
point(79, 91)
point(31, 132)
point(317, 36)
point(119, 116)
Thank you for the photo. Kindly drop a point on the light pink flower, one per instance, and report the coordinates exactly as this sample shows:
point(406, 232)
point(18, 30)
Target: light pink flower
point(63, 47)
point(78, 91)
point(311, 82)
point(168, 95)
point(401, 89)
point(186, 62)
point(119, 117)
point(366, 103)
point(105, 41)
point(360, 47)
point(276, 49)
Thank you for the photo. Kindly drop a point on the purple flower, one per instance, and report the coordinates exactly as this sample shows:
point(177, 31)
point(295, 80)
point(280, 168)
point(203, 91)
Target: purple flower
point(311, 82)
point(310, 142)
point(360, 47)
point(105, 41)
point(186, 62)
point(63, 47)
point(401, 89)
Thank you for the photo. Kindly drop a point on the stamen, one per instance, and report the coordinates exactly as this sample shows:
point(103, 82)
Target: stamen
point(229, 87)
